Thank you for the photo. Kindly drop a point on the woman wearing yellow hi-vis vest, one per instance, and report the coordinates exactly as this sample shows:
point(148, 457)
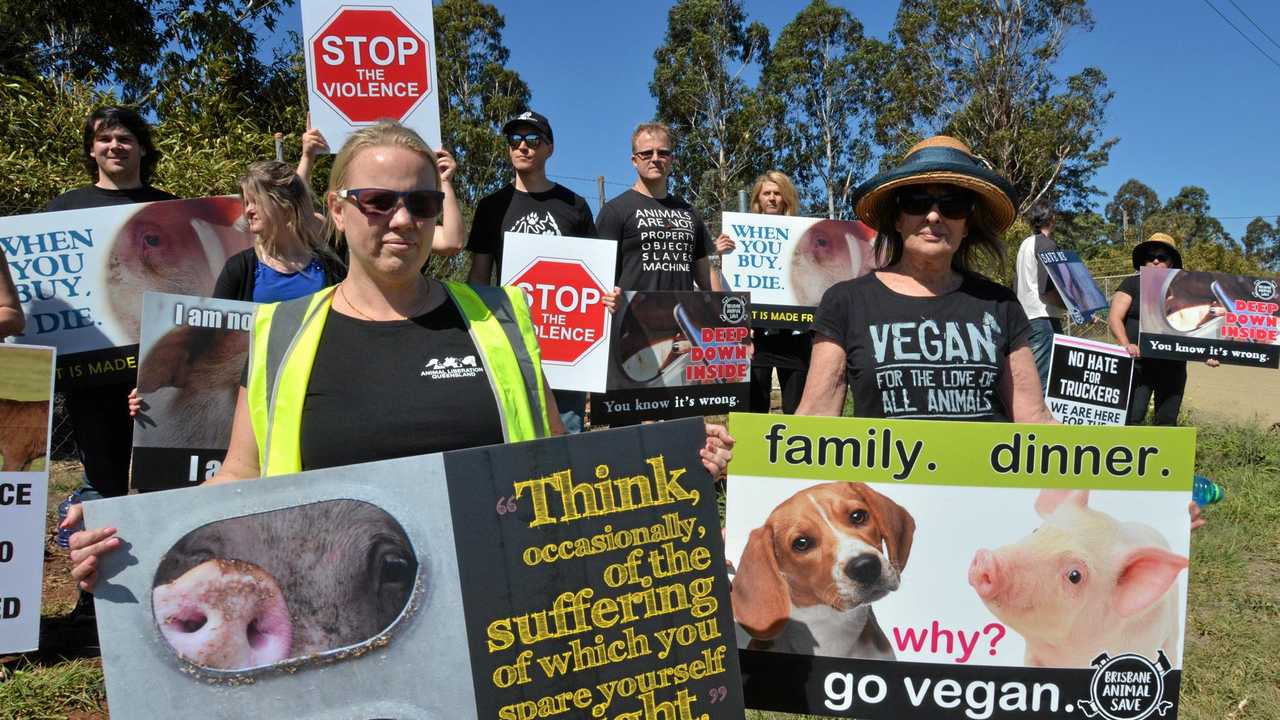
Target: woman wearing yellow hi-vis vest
point(387, 363)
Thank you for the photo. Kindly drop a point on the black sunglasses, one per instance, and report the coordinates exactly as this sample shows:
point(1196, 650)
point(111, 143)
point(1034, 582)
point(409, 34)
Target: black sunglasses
point(648, 154)
point(951, 205)
point(533, 140)
point(1159, 257)
point(380, 201)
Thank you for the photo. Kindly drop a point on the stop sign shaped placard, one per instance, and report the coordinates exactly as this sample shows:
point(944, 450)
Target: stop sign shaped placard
point(565, 299)
point(370, 64)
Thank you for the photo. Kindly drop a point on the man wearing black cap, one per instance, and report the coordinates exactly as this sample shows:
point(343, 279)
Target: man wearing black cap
point(530, 204)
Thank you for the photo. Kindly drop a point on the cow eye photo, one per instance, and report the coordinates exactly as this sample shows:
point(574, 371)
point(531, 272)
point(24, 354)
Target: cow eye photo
point(259, 590)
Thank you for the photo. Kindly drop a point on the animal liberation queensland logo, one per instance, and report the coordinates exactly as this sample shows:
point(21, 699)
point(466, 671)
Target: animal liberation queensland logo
point(451, 368)
point(732, 310)
point(1127, 687)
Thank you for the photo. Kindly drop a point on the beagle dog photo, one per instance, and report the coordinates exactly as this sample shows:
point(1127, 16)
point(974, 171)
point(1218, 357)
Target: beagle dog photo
point(809, 574)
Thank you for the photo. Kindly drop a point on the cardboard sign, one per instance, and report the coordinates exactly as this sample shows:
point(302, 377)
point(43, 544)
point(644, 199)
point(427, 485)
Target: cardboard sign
point(193, 353)
point(892, 569)
point(1075, 285)
point(81, 274)
point(26, 411)
point(676, 354)
point(1198, 315)
point(1089, 382)
point(788, 262)
point(369, 61)
point(580, 576)
point(565, 279)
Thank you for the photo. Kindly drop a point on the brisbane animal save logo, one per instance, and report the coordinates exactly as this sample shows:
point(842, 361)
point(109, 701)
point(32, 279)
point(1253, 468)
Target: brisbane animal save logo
point(1127, 687)
point(732, 309)
point(1264, 289)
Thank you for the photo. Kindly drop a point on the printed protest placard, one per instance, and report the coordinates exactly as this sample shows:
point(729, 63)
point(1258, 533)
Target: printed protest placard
point(676, 354)
point(565, 279)
point(1089, 382)
point(370, 60)
point(193, 352)
point(26, 409)
point(1199, 315)
point(891, 569)
point(788, 262)
point(81, 274)
point(1075, 285)
point(579, 576)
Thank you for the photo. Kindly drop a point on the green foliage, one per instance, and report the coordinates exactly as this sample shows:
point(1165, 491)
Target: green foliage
point(1186, 217)
point(718, 120)
point(823, 74)
point(1133, 203)
point(985, 73)
point(1261, 242)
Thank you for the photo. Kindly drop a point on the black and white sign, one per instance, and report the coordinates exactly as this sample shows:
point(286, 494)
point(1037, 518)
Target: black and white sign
point(1088, 382)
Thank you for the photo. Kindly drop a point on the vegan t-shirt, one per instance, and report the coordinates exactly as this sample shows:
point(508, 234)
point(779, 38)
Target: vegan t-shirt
point(923, 357)
point(387, 389)
point(658, 241)
point(558, 211)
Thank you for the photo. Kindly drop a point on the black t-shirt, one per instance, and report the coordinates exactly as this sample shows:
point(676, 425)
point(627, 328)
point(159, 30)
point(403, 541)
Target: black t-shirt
point(92, 196)
point(1131, 287)
point(658, 241)
point(558, 211)
point(383, 390)
point(923, 357)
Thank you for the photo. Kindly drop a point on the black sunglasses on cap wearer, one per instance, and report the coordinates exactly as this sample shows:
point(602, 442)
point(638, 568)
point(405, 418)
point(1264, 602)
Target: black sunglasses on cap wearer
point(532, 139)
point(663, 153)
point(380, 201)
point(953, 205)
point(1159, 257)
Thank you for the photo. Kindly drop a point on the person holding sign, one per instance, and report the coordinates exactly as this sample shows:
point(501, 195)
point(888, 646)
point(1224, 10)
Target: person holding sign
point(1035, 290)
point(926, 336)
point(453, 366)
point(530, 203)
point(662, 240)
point(787, 350)
point(1165, 379)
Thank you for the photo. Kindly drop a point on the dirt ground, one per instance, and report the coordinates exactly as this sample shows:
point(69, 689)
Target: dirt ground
point(1233, 392)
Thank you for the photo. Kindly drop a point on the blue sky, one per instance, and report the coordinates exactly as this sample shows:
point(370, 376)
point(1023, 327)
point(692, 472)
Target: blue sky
point(1194, 103)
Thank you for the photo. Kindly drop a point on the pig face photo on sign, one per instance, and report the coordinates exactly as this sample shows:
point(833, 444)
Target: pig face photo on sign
point(326, 580)
point(659, 338)
point(808, 575)
point(191, 377)
point(1082, 584)
point(175, 246)
point(830, 251)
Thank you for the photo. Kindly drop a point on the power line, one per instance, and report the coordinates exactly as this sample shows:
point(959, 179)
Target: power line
point(1251, 22)
point(1227, 20)
point(588, 180)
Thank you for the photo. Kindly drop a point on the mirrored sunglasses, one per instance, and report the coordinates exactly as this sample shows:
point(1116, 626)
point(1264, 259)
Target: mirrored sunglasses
point(532, 139)
point(380, 201)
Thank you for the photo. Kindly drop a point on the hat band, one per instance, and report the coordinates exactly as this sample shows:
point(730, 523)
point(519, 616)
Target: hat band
point(941, 155)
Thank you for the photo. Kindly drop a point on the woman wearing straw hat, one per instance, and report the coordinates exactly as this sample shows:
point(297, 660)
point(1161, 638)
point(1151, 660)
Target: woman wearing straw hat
point(1166, 379)
point(926, 336)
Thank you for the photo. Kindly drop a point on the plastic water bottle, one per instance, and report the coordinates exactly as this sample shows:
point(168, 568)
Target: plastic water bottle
point(1205, 491)
point(63, 537)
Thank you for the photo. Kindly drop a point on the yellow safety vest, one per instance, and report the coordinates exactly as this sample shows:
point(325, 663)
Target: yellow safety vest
point(286, 336)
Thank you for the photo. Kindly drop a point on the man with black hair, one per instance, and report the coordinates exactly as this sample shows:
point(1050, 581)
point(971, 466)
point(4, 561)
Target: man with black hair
point(119, 157)
point(529, 204)
point(1035, 290)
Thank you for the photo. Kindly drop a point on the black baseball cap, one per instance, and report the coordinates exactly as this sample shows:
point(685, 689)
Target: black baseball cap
point(529, 117)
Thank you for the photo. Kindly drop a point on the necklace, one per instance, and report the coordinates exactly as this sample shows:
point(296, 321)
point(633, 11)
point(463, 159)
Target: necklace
point(342, 291)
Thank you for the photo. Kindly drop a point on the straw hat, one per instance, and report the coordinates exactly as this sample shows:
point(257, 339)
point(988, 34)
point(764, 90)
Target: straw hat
point(1153, 243)
point(943, 160)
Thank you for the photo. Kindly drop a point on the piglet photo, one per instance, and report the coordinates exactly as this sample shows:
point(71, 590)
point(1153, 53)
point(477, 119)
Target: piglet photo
point(1083, 583)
